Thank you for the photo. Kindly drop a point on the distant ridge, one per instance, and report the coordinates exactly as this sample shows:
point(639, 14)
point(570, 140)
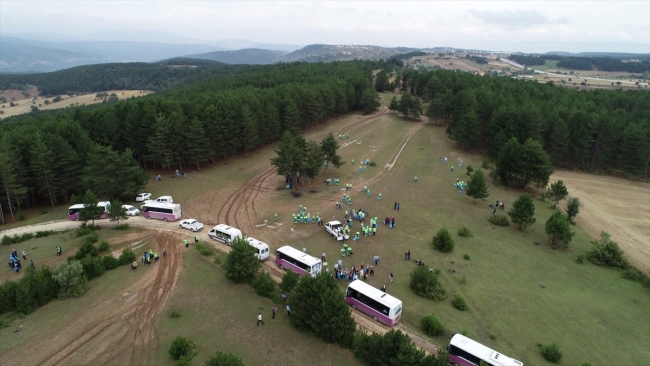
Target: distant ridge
point(251, 56)
point(616, 55)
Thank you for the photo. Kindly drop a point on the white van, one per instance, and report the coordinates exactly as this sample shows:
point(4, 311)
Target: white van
point(225, 233)
point(165, 199)
point(263, 252)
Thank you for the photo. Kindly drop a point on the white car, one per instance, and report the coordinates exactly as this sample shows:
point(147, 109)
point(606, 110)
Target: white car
point(335, 228)
point(191, 224)
point(130, 210)
point(143, 197)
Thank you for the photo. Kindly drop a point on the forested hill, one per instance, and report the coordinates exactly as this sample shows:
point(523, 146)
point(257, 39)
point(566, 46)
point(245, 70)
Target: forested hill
point(639, 65)
point(590, 130)
point(250, 56)
point(47, 157)
point(132, 76)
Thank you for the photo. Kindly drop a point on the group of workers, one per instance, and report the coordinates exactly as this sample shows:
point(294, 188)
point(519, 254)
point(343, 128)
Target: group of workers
point(304, 217)
point(329, 181)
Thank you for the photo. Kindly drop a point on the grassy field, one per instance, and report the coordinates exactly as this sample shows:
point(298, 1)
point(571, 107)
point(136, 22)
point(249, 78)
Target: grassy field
point(24, 105)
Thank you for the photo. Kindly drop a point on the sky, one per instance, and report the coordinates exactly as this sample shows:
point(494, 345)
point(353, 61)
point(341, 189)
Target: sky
point(537, 26)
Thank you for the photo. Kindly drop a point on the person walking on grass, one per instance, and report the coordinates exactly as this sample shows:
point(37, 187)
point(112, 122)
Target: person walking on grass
point(390, 276)
point(24, 255)
point(273, 309)
point(323, 257)
point(383, 288)
point(288, 311)
point(408, 254)
point(259, 320)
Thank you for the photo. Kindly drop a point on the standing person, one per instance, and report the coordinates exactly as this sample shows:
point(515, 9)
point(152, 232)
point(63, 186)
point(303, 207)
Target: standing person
point(196, 238)
point(164, 252)
point(288, 311)
point(275, 217)
point(284, 297)
point(383, 288)
point(273, 309)
point(405, 255)
point(376, 259)
point(323, 257)
point(31, 264)
point(58, 250)
point(416, 179)
point(390, 276)
point(187, 243)
point(259, 320)
point(409, 254)
point(24, 255)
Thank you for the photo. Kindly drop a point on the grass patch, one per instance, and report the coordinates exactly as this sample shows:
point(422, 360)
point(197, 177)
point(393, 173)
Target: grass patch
point(204, 249)
point(463, 231)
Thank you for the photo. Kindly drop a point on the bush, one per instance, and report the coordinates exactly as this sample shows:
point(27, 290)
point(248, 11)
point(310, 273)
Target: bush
point(466, 257)
point(469, 170)
point(122, 227)
point(372, 163)
point(127, 257)
point(223, 359)
point(394, 348)
point(425, 283)
point(22, 217)
point(464, 332)
point(87, 249)
point(83, 230)
point(606, 252)
point(459, 303)
point(110, 262)
point(499, 220)
point(552, 353)
point(26, 236)
point(6, 240)
point(463, 231)
point(175, 314)
point(8, 296)
point(104, 246)
point(92, 238)
point(432, 326)
point(204, 249)
point(180, 347)
point(580, 259)
point(263, 284)
point(71, 279)
point(183, 361)
point(289, 281)
point(443, 241)
point(485, 164)
point(493, 337)
point(241, 264)
point(93, 267)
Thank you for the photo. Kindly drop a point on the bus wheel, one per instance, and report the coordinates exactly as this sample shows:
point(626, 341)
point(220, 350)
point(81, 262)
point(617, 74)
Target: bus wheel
point(354, 307)
point(164, 219)
point(375, 318)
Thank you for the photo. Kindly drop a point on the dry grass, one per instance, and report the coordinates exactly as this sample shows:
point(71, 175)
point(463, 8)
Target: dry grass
point(24, 105)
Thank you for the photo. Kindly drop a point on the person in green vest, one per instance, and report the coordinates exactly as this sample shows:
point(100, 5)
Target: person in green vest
point(374, 231)
point(134, 265)
point(416, 177)
point(275, 217)
point(349, 251)
point(196, 238)
point(187, 243)
point(343, 252)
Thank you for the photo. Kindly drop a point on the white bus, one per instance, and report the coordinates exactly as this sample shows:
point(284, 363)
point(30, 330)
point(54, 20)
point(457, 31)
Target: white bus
point(263, 252)
point(225, 233)
point(466, 352)
point(161, 211)
point(297, 261)
point(73, 211)
point(369, 300)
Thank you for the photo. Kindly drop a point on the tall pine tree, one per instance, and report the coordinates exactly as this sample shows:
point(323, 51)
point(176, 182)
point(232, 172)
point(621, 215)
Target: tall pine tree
point(477, 186)
point(523, 211)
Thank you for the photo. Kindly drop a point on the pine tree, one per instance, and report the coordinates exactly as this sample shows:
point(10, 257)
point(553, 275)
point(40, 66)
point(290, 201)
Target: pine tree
point(9, 186)
point(556, 193)
point(41, 163)
point(250, 131)
point(467, 129)
point(443, 241)
point(117, 212)
point(329, 146)
point(522, 211)
point(394, 104)
point(241, 264)
point(558, 228)
point(521, 165)
point(370, 100)
point(477, 186)
point(572, 209)
point(160, 143)
point(270, 129)
point(198, 149)
point(558, 141)
point(318, 305)
point(436, 109)
point(291, 120)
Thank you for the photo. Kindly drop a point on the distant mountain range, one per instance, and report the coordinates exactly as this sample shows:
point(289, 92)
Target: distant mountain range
point(253, 56)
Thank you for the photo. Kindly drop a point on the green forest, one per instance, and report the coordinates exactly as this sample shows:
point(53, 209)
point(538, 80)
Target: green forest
point(590, 130)
point(48, 156)
point(584, 63)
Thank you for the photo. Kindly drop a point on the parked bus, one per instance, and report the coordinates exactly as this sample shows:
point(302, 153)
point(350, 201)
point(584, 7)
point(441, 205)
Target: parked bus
point(225, 234)
point(369, 300)
point(73, 211)
point(161, 211)
point(263, 252)
point(466, 352)
point(297, 261)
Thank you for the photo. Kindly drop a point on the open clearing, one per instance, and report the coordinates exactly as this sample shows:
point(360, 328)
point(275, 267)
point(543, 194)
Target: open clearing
point(518, 289)
point(25, 105)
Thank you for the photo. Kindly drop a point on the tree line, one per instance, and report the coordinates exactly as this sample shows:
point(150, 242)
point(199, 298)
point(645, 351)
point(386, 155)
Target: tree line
point(591, 130)
point(584, 63)
point(49, 156)
point(528, 60)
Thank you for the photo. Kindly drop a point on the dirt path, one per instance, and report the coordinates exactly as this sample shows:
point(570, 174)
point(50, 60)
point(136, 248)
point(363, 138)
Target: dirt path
point(618, 206)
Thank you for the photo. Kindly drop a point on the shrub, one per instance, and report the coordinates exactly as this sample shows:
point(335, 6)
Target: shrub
point(552, 353)
point(175, 314)
point(93, 267)
point(499, 220)
point(493, 337)
point(83, 230)
point(110, 262)
point(432, 326)
point(183, 361)
point(459, 303)
point(289, 281)
point(263, 284)
point(181, 346)
point(71, 279)
point(21, 217)
point(606, 252)
point(372, 163)
point(8, 296)
point(87, 249)
point(464, 332)
point(92, 238)
point(127, 257)
point(463, 231)
point(6, 240)
point(443, 241)
point(469, 170)
point(223, 359)
point(580, 259)
point(25, 237)
point(241, 264)
point(122, 227)
point(204, 249)
point(485, 164)
point(394, 348)
point(104, 246)
point(425, 283)
point(466, 257)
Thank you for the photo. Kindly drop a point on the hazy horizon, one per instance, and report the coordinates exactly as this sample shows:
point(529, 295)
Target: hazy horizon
point(606, 26)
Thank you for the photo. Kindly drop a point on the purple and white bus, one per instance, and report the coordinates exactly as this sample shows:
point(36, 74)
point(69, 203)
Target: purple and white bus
point(73, 211)
point(371, 301)
point(466, 352)
point(161, 211)
point(300, 263)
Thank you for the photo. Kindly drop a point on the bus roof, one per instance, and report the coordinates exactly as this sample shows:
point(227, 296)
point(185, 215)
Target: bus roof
point(227, 229)
point(103, 204)
point(78, 205)
point(295, 253)
point(256, 243)
point(482, 351)
point(375, 293)
point(160, 204)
